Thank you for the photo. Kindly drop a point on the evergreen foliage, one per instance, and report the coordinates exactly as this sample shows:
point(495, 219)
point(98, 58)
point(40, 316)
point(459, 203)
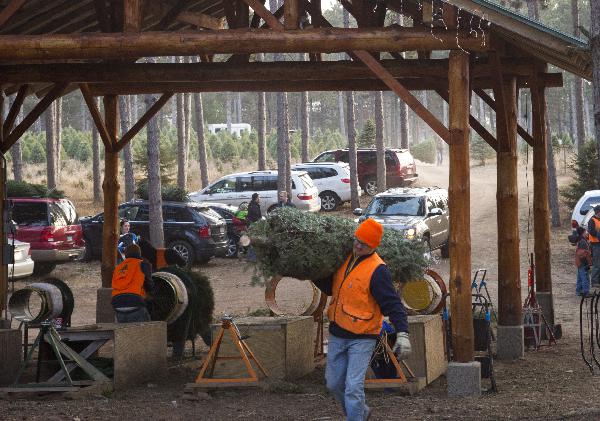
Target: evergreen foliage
point(585, 167)
point(480, 150)
point(424, 151)
point(24, 189)
point(311, 246)
point(366, 138)
point(170, 193)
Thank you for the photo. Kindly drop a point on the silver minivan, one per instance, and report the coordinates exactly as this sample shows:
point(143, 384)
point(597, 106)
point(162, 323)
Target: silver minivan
point(419, 213)
point(235, 189)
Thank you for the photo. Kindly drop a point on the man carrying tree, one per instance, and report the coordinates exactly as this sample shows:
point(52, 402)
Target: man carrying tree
point(362, 293)
point(594, 236)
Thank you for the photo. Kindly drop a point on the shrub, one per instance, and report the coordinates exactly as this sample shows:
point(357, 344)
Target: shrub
point(424, 151)
point(585, 167)
point(480, 150)
point(168, 192)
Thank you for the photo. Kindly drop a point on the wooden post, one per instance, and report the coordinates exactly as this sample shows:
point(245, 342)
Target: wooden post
point(541, 208)
point(507, 201)
point(110, 187)
point(459, 205)
point(291, 14)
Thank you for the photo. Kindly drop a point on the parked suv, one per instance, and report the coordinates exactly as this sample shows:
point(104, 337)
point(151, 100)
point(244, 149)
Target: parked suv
point(420, 213)
point(584, 204)
point(196, 232)
point(332, 179)
point(399, 163)
point(235, 189)
point(51, 227)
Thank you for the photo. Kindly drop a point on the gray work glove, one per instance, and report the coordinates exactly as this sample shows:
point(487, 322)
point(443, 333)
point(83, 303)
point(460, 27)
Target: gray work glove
point(402, 347)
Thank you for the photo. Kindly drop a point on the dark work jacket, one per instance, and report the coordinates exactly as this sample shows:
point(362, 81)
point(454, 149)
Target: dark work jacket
point(134, 300)
point(382, 289)
point(254, 213)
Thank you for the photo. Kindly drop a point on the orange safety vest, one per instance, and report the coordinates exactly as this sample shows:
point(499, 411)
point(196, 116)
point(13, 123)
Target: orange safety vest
point(128, 278)
point(352, 307)
point(161, 262)
point(597, 224)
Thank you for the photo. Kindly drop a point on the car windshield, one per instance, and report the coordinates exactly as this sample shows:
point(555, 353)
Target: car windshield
point(401, 206)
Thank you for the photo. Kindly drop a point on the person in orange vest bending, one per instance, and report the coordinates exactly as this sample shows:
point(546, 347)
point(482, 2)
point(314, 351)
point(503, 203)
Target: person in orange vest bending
point(361, 293)
point(131, 280)
point(594, 236)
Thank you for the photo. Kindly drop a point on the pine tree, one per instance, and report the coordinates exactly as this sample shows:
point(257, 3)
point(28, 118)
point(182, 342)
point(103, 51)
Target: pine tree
point(585, 168)
point(366, 138)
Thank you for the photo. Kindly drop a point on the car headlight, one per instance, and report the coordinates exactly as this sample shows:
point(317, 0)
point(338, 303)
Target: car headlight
point(410, 233)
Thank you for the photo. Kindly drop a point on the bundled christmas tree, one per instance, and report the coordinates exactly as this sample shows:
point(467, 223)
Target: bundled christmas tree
point(311, 246)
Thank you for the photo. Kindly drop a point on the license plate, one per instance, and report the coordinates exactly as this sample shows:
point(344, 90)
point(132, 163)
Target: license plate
point(69, 238)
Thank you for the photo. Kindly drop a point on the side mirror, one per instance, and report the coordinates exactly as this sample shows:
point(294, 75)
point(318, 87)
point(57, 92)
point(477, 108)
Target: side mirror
point(357, 211)
point(435, 211)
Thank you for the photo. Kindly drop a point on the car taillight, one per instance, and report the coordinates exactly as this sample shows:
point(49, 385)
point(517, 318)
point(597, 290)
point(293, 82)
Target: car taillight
point(204, 232)
point(574, 223)
point(303, 196)
point(345, 180)
point(47, 234)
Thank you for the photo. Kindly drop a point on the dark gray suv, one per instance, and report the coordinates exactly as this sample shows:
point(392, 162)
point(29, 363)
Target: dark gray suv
point(420, 213)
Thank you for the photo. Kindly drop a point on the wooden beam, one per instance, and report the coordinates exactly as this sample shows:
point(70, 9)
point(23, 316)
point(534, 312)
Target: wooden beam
point(541, 207)
point(156, 107)
point(201, 20)
point(507, 216)
point(96, 117)
point(291, 14)
point(404, 94)
point(171, 15)
point(492, 104)
point(100, 46)
point(14, 110)
point(33, 115)
point(110, 188)
point(459, 199)
point(265, 14)
point(10, 10)
point(132, 15)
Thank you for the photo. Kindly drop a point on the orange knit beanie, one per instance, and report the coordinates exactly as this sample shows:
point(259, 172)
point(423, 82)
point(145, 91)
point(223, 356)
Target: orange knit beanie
point(369, 232)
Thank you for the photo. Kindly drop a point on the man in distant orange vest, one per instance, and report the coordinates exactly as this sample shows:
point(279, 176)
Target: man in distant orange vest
point(132, 279)
point(594, 237)
point(361, 293)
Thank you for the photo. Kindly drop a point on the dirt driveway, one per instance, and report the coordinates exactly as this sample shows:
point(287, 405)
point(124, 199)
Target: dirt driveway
point(550, 384)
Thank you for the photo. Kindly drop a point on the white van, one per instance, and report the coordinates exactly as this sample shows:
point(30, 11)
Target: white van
point(584, 204)
point(236, 128)
point(235, 189)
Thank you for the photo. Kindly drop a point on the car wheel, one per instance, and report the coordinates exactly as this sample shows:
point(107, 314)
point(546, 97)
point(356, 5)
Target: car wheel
point(329, 201)
point(185, 250)
point(232, 248)
point(446, 250)
point(371, 186)
point(43, 268)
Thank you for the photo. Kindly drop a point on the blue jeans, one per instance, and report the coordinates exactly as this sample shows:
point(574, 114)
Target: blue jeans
point(347, 364)
point(583, 281)
point(140, 314)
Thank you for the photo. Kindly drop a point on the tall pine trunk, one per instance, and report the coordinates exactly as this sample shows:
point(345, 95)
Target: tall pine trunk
point(157, 238)
point(181, 144)
point(305, 122)
point(342, 122)
point(16, 152)
point(125, 113)
point(58, 131)
point(50, 115)
point(352, 158)
point(262, 126)
point(578, 83)
point(202, 159)
point(96, 176)
point(228, 104)
point(379, 142)
point(595, 47)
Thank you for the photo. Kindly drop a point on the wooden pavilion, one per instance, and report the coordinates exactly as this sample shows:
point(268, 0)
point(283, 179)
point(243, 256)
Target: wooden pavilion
point(52, 47)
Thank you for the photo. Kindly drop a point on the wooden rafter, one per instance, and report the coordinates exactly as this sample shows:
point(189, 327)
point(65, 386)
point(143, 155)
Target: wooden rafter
point(492, 104)
point(33, 115)
point(151, 112)
point(14, 110)
point(201, 20)
point(10, 10)
point(291, 14)
point(97, 117)
point(172, 14)
point(260, 10)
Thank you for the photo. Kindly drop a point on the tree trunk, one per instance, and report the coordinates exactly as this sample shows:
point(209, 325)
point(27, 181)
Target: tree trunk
point(58, 131)
point(304, 116)
point(552, 184)
point(157, 238)
point(595, 47)
point(578, 83)
point(262, 131)
point(403, 122)
point(202, 160)
point(125, 113)
point(282, 147)
point(379, 143)
point(96, 176)
point(238, 107)
point(181, 175)
point(50, 146)
point(228, 103)
point(15, 151)
point(341, 114)
point(83, 115)
point(352, 159)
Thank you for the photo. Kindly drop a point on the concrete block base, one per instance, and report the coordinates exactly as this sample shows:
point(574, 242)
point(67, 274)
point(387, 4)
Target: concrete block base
point(104, 310)
point(11, 352)
point(511, 344)
point(546, 302)
point(464, 379)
